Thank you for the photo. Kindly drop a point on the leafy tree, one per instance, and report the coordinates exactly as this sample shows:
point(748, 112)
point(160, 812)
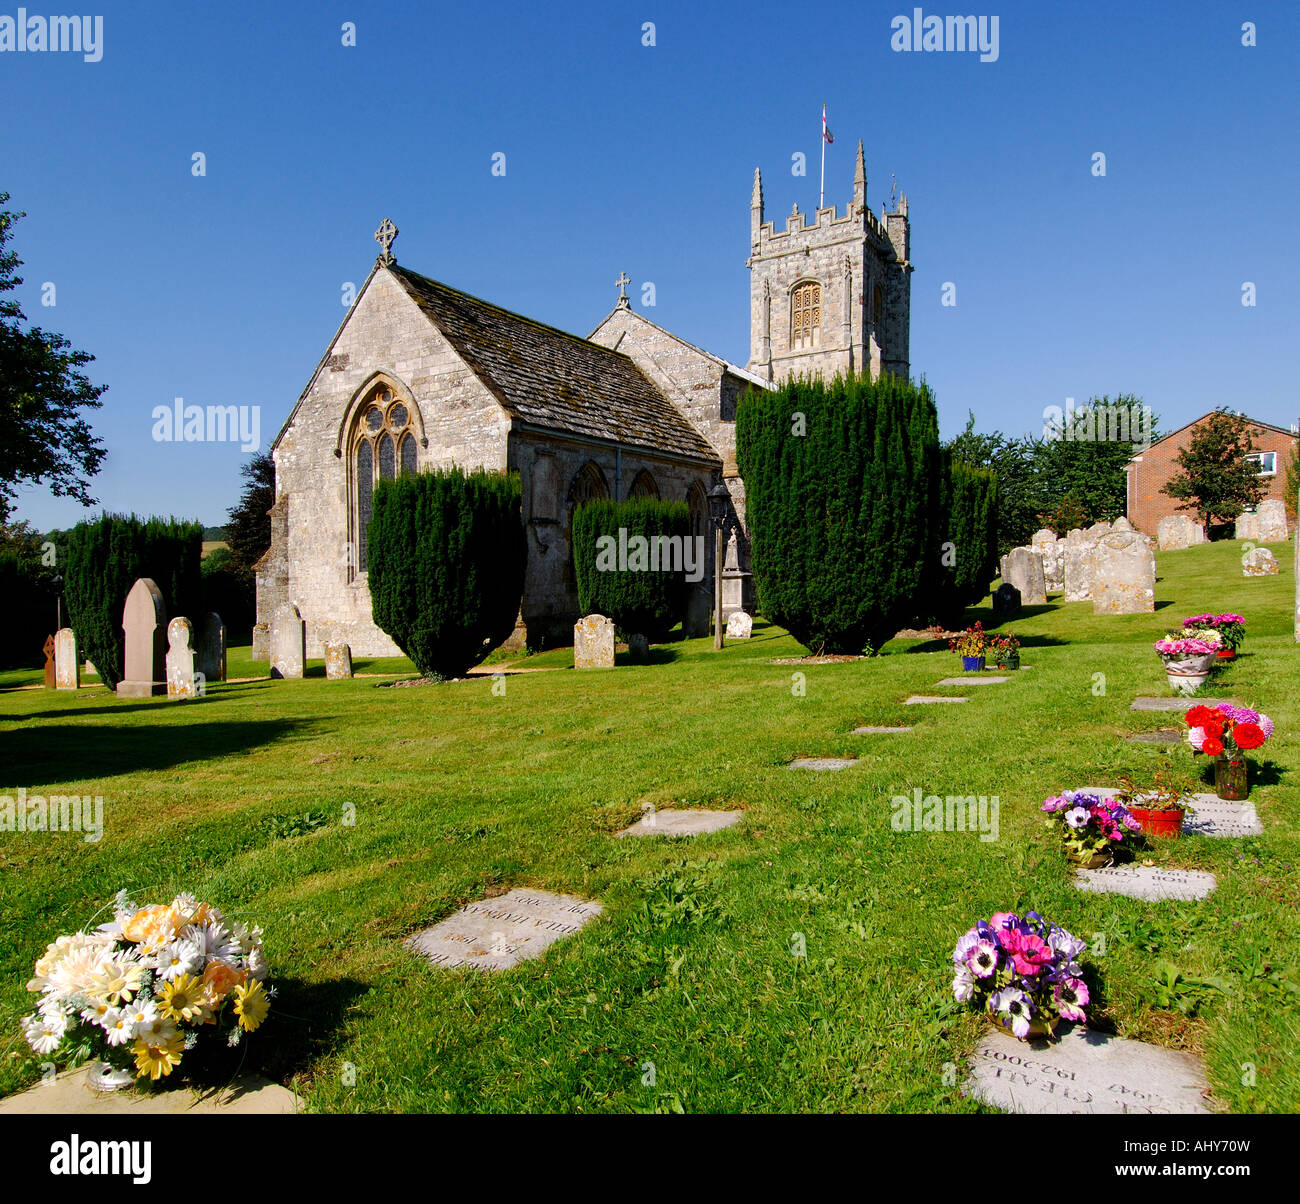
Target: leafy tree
point(1216, 480)
point(27, 598)
point(446, 554)
point(230, 593)
point(841, 481)
point(1293, 478)
point(44, 437)
point(1020, 497)
point(640, 600)
point(249, 530)
point(104, 559)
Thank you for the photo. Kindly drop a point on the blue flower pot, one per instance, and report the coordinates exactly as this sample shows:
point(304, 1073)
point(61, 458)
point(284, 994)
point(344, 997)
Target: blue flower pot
point(972, 664)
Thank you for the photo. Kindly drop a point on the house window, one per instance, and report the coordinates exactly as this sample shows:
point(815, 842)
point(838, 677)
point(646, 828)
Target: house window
point(806, 316)
point(1265, 463)
point(384, 439)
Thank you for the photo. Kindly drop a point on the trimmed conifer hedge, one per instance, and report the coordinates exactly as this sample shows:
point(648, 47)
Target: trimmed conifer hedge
point(641, 599)
point(843, 504)
point(446, 553)
point(967, 560)
point(104, 559)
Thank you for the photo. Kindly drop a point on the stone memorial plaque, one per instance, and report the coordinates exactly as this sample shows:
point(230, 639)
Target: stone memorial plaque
point(972, 681)
point(1181, 703)
point(495, 934)
point(878, 731)
point(1214, 816)
point(682, 823)
point(920, 699)
point(1144, 882)
point(820, 763)
point(1084, 1072)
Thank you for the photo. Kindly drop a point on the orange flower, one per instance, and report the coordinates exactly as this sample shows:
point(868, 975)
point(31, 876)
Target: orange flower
point(152, 925)
point(219, 979)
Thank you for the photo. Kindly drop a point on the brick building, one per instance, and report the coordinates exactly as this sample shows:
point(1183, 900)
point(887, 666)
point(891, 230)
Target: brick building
point(1149, 471)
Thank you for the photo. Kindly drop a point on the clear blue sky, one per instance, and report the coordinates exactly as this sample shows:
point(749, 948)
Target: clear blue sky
point(226, 289)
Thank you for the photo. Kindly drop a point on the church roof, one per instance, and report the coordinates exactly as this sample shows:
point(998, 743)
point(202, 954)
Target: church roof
point(548, 378)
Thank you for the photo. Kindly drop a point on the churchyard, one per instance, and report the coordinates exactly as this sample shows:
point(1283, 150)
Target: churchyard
point(799, 959)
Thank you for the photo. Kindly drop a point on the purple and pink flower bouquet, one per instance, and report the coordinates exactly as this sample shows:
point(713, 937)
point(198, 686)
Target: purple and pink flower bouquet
point(1179, 647)
point(1231, 628)
point(1092, 828)
point(1023, 973)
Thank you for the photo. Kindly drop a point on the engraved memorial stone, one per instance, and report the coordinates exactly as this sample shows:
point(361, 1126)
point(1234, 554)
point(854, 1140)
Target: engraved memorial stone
point(144, 624)
point(210, 648)
point(288, 643)
point(180, 659)
point(338, 660)
point(593, 643)
point(1146, 882)
point(67, 669)
point(681, 823)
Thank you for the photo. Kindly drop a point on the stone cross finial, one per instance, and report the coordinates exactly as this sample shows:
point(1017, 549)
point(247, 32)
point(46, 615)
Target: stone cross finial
point(385, 236)
point(623, 281)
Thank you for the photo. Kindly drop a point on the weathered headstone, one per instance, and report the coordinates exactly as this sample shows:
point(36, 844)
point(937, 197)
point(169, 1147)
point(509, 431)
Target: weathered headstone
point(1177, 531)
point(740, 626)
point(338, 660)
point(180, 659)
point(699, 613)
point(1146, 882)
point(1125, 576)
point(1266, 524)
point(1023, 568)
point(638, 646)
point(210, 647)
point(288, 643)
point(1080, 561)
point(1084, 1072)
point(1006, 601)
point(1052, 550)
point(681, 823)
point(261, 650)
point(144, 623)
point(51, 677)
point(67, 669)
point(497, 933)
point(593, 643)
point(1259, 562)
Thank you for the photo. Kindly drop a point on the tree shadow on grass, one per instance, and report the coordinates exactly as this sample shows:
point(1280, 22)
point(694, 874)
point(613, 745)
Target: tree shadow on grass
point(659, 654)
point(68, 753)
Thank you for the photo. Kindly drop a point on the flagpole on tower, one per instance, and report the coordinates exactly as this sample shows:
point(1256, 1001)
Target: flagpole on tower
point(821, 203)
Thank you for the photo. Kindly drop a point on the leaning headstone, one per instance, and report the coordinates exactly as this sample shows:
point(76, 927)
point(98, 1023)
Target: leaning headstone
point(740, 626)
point(51, 677)
point(593, 643)
point(210, 648)
point(1084, 1072)
point(681, 823)
point(1006, 601)
point(67, 669)
point(1146, 882)
point(1125, 580)
point(338, 660)
point(288, 643)
point(180, 659)
point(144, 624)
point(1272, 526)
point(1023, 568)
point(495, 934)
point(1259, 562)
point(1177, 531)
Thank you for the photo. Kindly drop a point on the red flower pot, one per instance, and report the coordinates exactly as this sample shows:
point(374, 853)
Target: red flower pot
point(1226, 654)
point(1159, 823)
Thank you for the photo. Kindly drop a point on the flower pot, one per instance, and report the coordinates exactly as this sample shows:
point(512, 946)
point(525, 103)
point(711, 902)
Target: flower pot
point(972, 664)
point(1009, 662)
point(1095, 862)
point(1187, 674)
point(105, 1077)
point(1226, 654)
point(1159, 823)
point(1230, 779)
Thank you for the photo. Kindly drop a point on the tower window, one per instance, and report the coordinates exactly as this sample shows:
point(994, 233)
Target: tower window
point(878, 307)
point(806, 316)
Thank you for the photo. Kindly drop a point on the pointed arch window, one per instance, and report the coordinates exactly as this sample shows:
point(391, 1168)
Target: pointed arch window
point(643, 485)
point(806, 316)
point(383, 441)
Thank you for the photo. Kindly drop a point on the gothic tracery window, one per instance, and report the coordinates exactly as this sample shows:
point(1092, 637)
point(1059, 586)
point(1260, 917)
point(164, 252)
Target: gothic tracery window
point(383, 445)
point(805, 316)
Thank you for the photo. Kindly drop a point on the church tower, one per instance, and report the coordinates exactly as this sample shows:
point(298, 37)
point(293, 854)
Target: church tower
point(831, 295)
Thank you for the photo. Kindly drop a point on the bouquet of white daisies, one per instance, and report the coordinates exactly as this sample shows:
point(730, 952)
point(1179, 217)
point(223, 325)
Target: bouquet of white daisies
point(145, 985)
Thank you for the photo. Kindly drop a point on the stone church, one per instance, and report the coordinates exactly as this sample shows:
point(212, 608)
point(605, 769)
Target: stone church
point(421, 375)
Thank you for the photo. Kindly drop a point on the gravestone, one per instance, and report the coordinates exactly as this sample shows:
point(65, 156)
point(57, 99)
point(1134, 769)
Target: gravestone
point(819, 764)
point(51, 679)
point(1169, 704)
point(180, 659)
point(1052, 550)
point(681, 823)
point(261, 650)
point(1259, 562)
point(1145, 882)
point(1177, 531)
point(1023, 568)
point(638, 647)
point(699, 613)
point(1124, 581)
point(210, 648)
point(1080, 567)
point(1084, 1072)
point(921, 699)
point(1272, 521)
point(1006, 601)
point(740, 626)
point(972, 680)
point(288, 643)
point(338, 660)
point(593, 643)
point(497, 933)
point(67, 669)
point(1222, 819)
point(144, 623)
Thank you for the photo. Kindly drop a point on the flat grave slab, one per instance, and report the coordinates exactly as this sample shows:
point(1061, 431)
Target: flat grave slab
point(1220, 817)
point(681, 823)
point(922, 699)
point(878, 731)
point(821, 763)
point(68, 1093)
point(495, 934)
point(1084, 1072)
point(972, 681)
point(1179, 702)
point(1146, 882)
point(1165, 735)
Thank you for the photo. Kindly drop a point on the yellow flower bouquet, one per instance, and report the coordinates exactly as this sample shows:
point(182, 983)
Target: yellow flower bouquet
point(142, 988)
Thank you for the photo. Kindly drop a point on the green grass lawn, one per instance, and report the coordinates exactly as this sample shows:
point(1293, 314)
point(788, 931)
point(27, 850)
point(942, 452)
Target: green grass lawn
point(458, 791)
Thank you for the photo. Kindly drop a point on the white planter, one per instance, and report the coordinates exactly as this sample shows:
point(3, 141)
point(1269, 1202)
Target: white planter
point(1187, 674)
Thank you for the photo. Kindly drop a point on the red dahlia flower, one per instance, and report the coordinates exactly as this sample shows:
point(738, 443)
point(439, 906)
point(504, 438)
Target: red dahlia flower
point(1248, 735)
point(1212, 746)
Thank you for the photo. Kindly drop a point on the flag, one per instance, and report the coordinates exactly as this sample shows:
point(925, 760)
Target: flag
point(826, 132)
